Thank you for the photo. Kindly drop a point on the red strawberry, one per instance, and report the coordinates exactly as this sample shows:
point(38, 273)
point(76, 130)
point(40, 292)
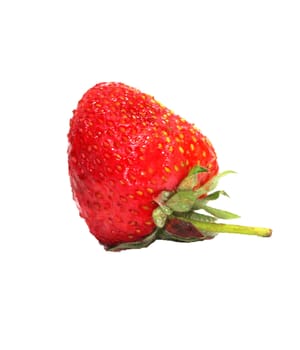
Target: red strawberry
point(126, 152)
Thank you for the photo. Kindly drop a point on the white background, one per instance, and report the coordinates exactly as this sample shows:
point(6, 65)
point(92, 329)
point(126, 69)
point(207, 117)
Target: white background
point(231, 67)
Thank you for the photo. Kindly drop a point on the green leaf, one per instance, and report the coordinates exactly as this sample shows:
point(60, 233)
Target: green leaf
point(165, 235)
point(182, 201)
point(166, 210)
point(197, 169)
point(213, 196)
point(163, 197)
point(213, 183)
point(197, 216)
point(159, 217)
point(191, 180)
point(221, 214)
point(145, 242)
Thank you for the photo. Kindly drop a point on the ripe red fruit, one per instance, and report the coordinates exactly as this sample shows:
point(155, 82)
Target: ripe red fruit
point(125, 149)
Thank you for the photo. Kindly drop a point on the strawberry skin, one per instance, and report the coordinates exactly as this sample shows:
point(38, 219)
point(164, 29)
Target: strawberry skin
point(124, 149)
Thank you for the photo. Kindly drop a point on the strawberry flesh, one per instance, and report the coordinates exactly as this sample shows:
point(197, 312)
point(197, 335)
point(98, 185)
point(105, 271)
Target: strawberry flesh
point(124, 149)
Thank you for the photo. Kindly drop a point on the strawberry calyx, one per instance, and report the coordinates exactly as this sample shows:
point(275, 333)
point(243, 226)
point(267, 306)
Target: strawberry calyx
point(185, 215)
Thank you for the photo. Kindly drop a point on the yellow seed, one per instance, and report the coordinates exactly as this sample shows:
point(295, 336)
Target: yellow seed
point(176, 168)
point(145, 207)
point(171, 149)
point(148, 223)
point(137, 231)
point(141, 158)
point(168, 139)
point(160, 146)
point(181, 136)
point(131, 196)
point(122, 182)
point(118, 157)
point(133, 212)
point(150, 190)
point(181, 150)
point(192, 147)
point(187, 162)
point(209, 166)
point(194, 139)
point(164, 133)
point(140, 193)
point(167, 170)
point(204, 154)
point(182, 163)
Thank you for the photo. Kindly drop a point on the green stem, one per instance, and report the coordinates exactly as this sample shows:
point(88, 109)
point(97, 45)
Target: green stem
point(227, 228)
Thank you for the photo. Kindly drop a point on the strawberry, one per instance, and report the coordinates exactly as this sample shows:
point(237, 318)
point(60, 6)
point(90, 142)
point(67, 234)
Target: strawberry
point(138, 170)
